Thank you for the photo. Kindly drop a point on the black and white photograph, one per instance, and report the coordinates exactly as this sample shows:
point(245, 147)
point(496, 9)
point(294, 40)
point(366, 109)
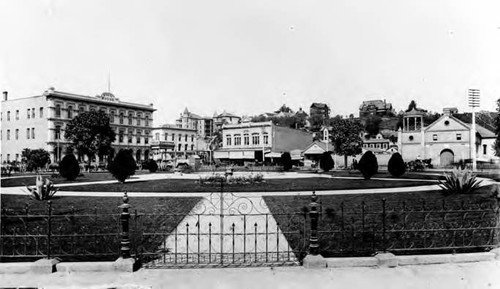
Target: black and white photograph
point(250, 144)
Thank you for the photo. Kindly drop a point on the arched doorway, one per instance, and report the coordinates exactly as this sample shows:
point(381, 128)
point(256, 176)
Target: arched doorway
point(146, 154)
point(446, 158)
point(138, 156)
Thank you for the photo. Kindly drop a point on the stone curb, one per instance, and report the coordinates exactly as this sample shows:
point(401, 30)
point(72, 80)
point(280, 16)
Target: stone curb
point(389, 260)
point(48, 266)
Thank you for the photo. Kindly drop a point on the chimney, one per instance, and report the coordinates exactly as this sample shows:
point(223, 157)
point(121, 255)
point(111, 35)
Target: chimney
point(5, 95)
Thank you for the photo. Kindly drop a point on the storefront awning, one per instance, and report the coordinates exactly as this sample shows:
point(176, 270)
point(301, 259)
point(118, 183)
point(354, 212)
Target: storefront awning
point(273, 155)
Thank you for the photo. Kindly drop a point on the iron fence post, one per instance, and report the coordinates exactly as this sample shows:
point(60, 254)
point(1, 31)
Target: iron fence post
point(314, 214)
point(49, 229)
point(384, 239)
point(124, 219)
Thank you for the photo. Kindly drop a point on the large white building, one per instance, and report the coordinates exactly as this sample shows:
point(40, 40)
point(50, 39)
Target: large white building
point(171, 142)
point(39, 122)
point(446, 141)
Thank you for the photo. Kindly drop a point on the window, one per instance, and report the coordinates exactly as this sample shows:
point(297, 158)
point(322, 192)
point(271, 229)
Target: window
point(255, 139)
point(28, 115)
point(139, 119)
point(8, 115)
point(58, 110)
point(157, 136)
point(92, 108)
point(434, 137)
point(147, 120)
point(33, 112)
point(27, 133)
point(192, 138)
point(17, 134)
point(180, 137)
point(32, 133)
point(41, 112)
point(180, 146)
point(8, 134)
point(120, 136)
point(485, 147)
point(130, 119)
point(82, 108)
point(173, 136)
point(70, 112)
point(410, 137)
point(17, 114)
point(186, 137)
point(192, 147)
point(266, 138)
point(57, 132)
point(8, 157)
point(459, 136)
point(246, 139)
point(228, 140)
point(112, 117)
point(185, 147)
point(121, 117)
point(446, 122)
point(130, 136)
point(237, 140)
point(146, 138)
point(166, 136)
point(138, 139)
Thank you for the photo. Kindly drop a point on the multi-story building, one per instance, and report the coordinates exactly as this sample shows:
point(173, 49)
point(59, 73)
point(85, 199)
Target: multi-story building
point(376, 107)
point(259, 141)
point(320, 109)
point(204, 126)
point(225, 118)
point(171, 142)
point(39, 122)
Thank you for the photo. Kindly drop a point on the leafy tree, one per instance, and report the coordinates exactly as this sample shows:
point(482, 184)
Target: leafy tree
point(346, 137)
point(123, 165)
point(317, 121)
point(91, 134)
point(35, 159)
point(396, 165)
point(373, 124)
point(326, 162)
point(286, 160)
point(69, 167)
point(151, 165)
point(284, 108)
point(368, 165)
point(411, 106)
point(497, 131)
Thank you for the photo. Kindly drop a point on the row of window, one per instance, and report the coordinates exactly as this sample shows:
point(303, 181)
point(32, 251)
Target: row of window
point(172, 137)
point(376, 145)
point(458, 137)
point(112, 116)
point(246, 139)
point(30, 133)
point(30, 113)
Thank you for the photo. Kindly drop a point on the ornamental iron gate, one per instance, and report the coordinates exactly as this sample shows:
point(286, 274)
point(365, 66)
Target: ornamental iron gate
point(223, 229)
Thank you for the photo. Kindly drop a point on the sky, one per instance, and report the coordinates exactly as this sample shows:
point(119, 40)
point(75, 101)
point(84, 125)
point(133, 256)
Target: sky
point(250, 57)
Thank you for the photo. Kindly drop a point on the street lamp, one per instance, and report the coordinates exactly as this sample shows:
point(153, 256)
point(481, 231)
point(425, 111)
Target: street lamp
point(474, 101)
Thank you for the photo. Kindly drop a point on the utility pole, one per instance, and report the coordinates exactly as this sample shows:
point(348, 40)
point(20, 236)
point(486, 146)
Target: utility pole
point(474, 101)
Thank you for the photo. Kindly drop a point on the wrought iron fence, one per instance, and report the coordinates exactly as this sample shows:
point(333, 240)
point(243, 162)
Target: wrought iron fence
point(36, 233)
point(402, 228)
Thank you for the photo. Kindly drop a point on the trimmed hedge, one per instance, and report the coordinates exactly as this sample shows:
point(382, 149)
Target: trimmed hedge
point(286, 159)
point(368, 165)
point(123, 165)
point(396, 165)
point(69, 167)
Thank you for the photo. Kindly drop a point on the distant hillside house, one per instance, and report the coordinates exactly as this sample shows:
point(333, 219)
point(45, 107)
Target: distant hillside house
point(321, 109)
point(225, 118)
point(376, 107)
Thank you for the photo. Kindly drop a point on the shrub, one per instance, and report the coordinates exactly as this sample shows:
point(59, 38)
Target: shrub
point(69, 168)
point(123, 165)
point(150, 165)
point(368, 165)
point(286, 160)
point(326, 162)
point(43, 189)
point(396, 165)
point(459, 182)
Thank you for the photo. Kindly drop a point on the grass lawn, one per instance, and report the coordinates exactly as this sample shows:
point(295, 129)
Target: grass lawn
point(352, 225)
point(270, 185)
point(84, 226)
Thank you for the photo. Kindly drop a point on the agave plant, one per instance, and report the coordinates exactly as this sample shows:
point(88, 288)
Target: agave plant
point(43, 189)
point(459, 182)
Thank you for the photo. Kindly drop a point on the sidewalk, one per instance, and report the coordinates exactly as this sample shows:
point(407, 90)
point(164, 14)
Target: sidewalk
point(456, 276)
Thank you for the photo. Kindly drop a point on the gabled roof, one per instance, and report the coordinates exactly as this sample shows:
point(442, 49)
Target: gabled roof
point(227, 114)
point(320, 145)
point(450, 117)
